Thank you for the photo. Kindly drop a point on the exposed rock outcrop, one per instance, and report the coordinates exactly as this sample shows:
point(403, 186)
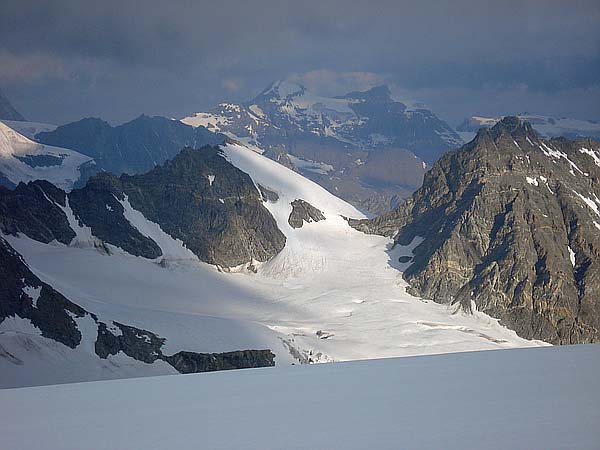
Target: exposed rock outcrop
point(212, 206)
point(198, 197)
point(189, 362)
point(364, 147)
point(24, 295)
point(511, 224)
point(146, 346)
point(99, 206)
point(302, 211)
point(34, 209)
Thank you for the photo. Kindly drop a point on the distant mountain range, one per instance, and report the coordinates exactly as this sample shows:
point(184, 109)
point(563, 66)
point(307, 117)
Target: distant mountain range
point(68, 155)
point(365, 147)
point(131, 276)
point(133, 147)
point(546, 126)
point(159, 246)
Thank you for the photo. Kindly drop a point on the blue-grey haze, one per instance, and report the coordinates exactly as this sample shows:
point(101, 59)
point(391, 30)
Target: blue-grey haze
point(64, 59)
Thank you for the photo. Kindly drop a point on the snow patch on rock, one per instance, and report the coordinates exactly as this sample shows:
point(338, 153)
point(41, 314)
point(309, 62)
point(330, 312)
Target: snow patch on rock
point(172, 249)
point(33, 293)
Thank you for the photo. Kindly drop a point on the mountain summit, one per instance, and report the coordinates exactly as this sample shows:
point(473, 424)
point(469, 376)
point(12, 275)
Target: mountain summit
point(509, 225)
point(365, 147)
point(133, 147)
point(156, 250)
point(546, 126)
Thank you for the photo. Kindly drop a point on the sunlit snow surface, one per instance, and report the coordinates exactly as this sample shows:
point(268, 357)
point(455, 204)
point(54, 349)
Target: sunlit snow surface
point(63, 172)
point(545, 398)
point(332, 294)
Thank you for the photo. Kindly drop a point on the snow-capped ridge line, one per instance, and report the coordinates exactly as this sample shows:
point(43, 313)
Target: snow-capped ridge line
point(23, 160)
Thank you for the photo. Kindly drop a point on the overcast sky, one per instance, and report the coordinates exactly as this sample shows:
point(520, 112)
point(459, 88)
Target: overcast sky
point(61, 60)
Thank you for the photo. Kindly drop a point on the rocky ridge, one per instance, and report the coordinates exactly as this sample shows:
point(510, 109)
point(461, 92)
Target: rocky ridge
point(510, 225)
point(364, 147)
point(25, 296)
point(198, 197)
point(133, 147)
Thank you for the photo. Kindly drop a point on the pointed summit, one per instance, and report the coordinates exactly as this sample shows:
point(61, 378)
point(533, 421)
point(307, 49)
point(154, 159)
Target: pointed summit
point(328, 138)
point(510, 123)
point(509, 223)
point(514, 126)
point(508, 126)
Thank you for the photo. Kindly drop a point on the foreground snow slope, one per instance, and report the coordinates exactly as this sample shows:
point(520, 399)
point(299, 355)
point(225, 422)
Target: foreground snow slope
point(332, 293)
point(519, 399)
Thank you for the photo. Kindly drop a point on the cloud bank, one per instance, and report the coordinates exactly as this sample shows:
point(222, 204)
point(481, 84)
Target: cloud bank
point(66, 59)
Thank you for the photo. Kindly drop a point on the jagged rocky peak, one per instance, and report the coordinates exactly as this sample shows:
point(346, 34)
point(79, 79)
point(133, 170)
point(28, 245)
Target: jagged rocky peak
point(510, 225)
point(510, 124)
point(198, 197)
point(546, 126)
point(365, 146)
point(513, 126)
point(36, 210)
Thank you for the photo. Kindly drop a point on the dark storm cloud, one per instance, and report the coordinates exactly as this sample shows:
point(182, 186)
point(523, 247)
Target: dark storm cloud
point(61, 59)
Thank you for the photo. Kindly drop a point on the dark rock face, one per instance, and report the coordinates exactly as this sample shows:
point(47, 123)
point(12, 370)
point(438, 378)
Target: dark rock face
point(267, 194)
point(511, 224)
point(189, 362)
point(212, 206)
point(197, 197)
point(303, 211)
point(364, 147)
point(97, 206)
point(139, 344)
point(24, 295)
point(49, 311)
point(146, 346)
point(33, 209)
point(7, 112)
point(134, 147)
